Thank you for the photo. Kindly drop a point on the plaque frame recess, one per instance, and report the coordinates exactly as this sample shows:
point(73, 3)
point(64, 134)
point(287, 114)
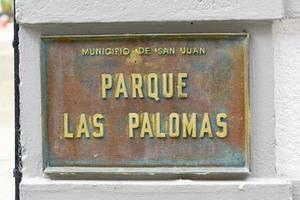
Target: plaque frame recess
point(144, 173)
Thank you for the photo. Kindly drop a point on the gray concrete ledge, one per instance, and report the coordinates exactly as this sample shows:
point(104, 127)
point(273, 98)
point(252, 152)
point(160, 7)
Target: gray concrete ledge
point(251, 189)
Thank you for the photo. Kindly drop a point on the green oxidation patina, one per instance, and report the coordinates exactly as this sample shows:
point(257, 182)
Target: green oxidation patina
point(217, 83)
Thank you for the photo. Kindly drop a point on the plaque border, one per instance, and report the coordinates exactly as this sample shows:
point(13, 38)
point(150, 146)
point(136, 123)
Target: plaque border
point(161, 173)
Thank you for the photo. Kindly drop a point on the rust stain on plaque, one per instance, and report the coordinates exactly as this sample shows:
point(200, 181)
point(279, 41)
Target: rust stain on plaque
point(216, 85)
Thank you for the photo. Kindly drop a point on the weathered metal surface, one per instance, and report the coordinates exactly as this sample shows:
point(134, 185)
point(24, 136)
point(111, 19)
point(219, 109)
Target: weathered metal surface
point(217, 82)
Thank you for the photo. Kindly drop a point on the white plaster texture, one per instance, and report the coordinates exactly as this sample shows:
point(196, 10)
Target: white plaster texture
point(30, 104)
point(35, 185)
point(261, 83)
point(269, 49)
point(76, 11)
point(286, 35)
point(292, 8)
point(267, 189)
point(295, 188)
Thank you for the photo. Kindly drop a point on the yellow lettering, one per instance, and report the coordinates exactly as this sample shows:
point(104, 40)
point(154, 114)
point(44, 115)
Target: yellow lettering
point(97, 124)
point(82, 127)
point(136, 85)
point(146, 126)
point(222, 125)
point(159, 134)
point(205, 126)
point(85, 52)
point(174, 117)
point(168, 85)
point(121, 86)
point(106, 84)
point(181, 85)
point(67, 134)
point(189, 126)
point(153, 86)
point(133, 123)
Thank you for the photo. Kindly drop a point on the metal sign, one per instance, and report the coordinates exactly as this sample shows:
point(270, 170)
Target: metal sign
point(145, 104)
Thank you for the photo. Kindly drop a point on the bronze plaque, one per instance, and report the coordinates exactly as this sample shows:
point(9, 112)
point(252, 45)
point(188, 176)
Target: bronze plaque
point(163, 104)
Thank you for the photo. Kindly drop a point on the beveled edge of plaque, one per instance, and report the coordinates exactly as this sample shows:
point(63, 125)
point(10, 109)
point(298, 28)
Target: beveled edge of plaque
point(140, 35)
point(145, 173)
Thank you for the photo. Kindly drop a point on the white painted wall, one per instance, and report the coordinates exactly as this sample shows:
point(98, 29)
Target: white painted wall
point(286, 35)
point(266, 189)
point(292, 8)
point(274, 80)
point(287, 96)
point(261, 65)
point(77, 11)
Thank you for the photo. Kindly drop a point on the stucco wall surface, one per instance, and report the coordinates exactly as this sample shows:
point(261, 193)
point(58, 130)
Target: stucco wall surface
point(261, 80)
point(287, 96)
point(292, 8)
point(76, 11)
point(262, 108)
point(268, 189)
point(274, 49)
